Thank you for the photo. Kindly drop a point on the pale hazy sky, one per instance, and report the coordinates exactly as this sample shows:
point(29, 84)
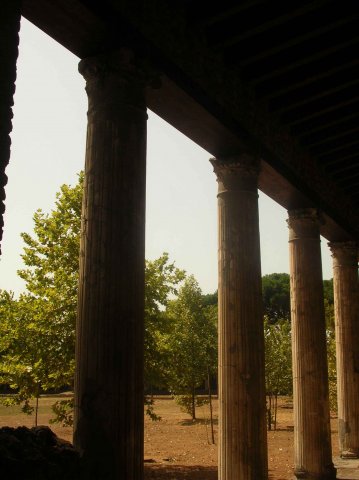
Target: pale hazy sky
point(48, 149)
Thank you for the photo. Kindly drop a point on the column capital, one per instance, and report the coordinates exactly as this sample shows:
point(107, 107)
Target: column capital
point(304, 223)
point(344, 253)
point(122, 61)
point(237, 172)
point(117, 78)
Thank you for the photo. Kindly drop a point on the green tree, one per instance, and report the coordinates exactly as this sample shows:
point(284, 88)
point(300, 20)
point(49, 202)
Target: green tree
point(210, 299)
point(41, 351)
point(331, 346)
point(38, 329)
point(33, 360)
point(7, 314)
point(278, 364)
point(191, 345)
point(161, 282)
point(276, 296)
point(328, 291)
point(332, 370)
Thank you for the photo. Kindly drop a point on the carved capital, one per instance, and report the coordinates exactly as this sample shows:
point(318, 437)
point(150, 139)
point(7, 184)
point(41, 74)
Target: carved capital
point(236, 172)
point(304, 223)
point(344, 253)
point(116, 80)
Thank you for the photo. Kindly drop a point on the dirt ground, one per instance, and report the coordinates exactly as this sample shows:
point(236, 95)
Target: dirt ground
point(177, 448)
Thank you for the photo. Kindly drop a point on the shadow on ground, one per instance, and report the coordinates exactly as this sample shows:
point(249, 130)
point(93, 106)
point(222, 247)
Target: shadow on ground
point(180, 472)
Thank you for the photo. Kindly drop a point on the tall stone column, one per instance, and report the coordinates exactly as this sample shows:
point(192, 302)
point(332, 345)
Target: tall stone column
point(109, 349)
point(346, 300)
point(9, 42)
point(242, 427)
point(312, 441)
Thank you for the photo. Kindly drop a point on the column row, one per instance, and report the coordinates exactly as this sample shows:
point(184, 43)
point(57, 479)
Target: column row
point(109, 380)
point(108, 426)
point(243, 453)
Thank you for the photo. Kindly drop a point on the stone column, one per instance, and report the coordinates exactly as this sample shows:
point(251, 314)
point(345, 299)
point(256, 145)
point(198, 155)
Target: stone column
point(109, 350)
point(242, 427)
point(346, 298)
point(312, 441)
point(9, 42)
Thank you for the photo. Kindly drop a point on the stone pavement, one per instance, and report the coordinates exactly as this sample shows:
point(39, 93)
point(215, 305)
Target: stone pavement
point(347, 469)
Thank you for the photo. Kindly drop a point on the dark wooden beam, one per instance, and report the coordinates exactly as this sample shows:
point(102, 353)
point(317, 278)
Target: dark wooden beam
point(320, 80)
point(289, 103)
point(322, 131)
point(339, 152)
point(341, 166)
point(274, 22)
point(204, 14)
point(342, 139)
point(295, 118)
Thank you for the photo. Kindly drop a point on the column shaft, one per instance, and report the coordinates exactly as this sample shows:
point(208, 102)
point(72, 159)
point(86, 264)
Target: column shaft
point(109, 350)
point(9, 26)
point(242, 428)
point(312, 441)
point(346, 301)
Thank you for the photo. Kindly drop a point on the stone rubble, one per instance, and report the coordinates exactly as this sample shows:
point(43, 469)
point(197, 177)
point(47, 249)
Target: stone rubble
point(37, 454)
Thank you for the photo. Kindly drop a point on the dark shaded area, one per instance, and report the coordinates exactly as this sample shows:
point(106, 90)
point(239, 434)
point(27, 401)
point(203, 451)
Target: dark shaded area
point(37, 454)
point(10, 24)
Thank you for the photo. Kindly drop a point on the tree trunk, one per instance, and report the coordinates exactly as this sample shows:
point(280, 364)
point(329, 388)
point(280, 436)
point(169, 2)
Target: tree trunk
point(269, 412)
point(193, 404)
point(210, 405)
point(37, 404)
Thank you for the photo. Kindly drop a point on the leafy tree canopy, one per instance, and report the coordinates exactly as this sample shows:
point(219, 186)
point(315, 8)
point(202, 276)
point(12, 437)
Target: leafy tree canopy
point(276, 296)
point(328, 291)
point(210, 299)
point(191, 343)
point(161, 282)
point(40, 324)
point(37, 345)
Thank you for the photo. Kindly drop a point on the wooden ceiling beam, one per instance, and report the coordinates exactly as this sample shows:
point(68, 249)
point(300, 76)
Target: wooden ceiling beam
point(299, 63)
point(332, 137)
point(204, 18)
point(336, 162)
point(285, 104)
point(270, 24)
point(320, 128)
point(265, 53)
point(292, 120)
point(307, 81)
point(338, 149)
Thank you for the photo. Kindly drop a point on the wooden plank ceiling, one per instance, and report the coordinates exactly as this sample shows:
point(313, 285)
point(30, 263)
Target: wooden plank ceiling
point(298, 59)
point(301, 57)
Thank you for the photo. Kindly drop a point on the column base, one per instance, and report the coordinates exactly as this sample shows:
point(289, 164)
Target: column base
point(349, 455)
point(330, 474)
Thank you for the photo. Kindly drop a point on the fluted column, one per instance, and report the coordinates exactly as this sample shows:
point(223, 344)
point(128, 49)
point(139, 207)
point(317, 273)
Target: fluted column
point(242, 428)
point(312, 441)
point(10, 14)
point(109, 351)
point(346, 301)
